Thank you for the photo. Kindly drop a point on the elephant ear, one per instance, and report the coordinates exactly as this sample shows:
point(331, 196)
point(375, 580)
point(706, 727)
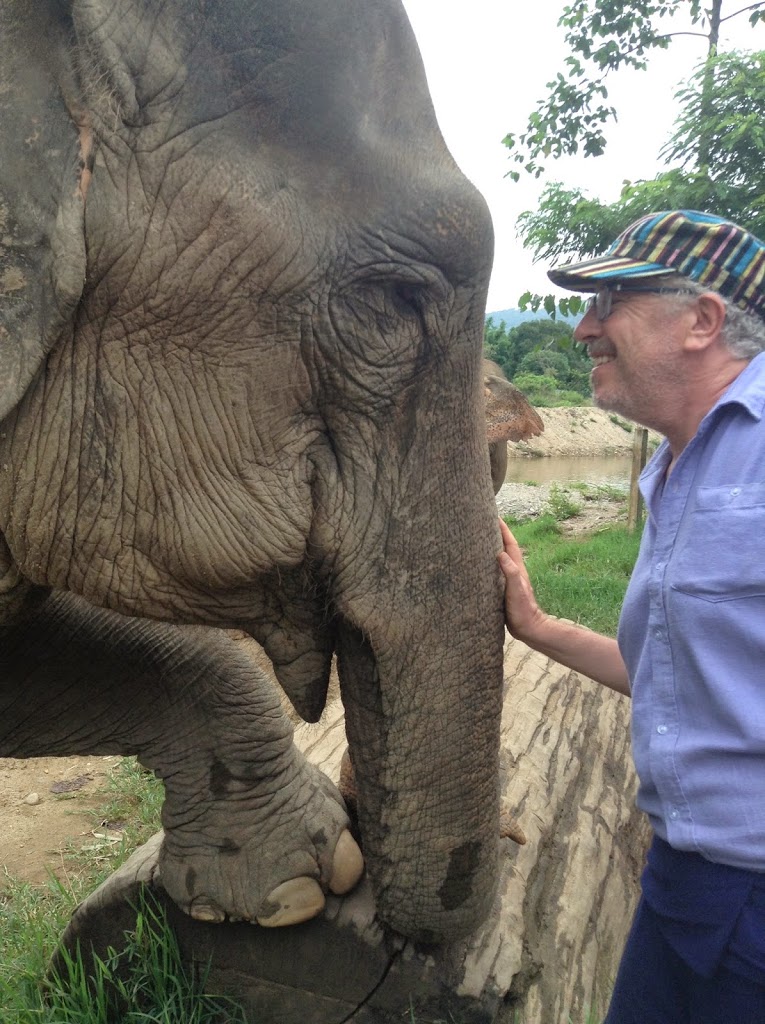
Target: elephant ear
point(509, 417)
point(42, 240)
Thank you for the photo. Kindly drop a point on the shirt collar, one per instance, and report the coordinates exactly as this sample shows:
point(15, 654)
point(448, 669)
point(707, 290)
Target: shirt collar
point(747, 390)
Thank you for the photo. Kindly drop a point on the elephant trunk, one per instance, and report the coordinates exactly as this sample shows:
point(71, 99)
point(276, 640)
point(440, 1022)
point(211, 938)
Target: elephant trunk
point(422, 686)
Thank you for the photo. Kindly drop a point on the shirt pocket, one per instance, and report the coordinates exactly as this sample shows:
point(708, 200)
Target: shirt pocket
point(720, 555)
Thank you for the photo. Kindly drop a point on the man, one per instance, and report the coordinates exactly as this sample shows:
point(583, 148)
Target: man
point(675, 329)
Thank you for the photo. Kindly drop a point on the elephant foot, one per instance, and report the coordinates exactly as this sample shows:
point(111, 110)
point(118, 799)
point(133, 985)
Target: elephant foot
point(264, 857)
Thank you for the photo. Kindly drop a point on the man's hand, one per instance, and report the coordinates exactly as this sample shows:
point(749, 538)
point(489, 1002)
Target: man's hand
point(523, 615)
point(579, 648)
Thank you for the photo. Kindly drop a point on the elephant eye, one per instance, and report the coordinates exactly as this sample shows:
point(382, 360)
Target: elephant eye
point(407, 298)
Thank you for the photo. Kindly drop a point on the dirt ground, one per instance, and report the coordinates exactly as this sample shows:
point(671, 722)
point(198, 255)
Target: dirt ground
point(44, 802)
point(580, 432)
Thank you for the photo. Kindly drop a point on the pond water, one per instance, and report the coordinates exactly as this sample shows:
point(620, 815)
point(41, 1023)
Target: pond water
point(598, 469)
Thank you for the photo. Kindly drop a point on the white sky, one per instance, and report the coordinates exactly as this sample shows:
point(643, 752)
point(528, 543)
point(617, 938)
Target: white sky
point(487, 63)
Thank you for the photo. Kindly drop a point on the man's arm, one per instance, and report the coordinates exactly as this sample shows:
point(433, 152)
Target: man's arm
point(575, 646)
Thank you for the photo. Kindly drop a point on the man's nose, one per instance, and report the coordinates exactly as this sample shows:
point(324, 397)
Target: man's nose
point(588, 328)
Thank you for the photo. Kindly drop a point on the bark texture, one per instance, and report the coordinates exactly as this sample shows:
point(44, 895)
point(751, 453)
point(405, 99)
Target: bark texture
point(549, 951)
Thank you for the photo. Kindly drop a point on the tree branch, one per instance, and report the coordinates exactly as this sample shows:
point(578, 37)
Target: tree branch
point(751, 7)
point(629, 51)
point(696, 35)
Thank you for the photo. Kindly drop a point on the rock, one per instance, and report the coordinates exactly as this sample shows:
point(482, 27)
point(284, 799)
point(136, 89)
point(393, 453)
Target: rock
point(522, 501)
point(527, 501)
point(32, 799)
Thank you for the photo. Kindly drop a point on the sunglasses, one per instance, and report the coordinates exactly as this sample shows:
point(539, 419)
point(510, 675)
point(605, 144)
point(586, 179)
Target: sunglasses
point(602, 300)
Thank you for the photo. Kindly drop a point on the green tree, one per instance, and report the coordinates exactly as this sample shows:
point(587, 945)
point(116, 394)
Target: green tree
point(544, 391)
point(568, 224)
point(603, 36)
point(717, 146)
point(508, 347)
point(497, 345)
point(545, 361)
point(541, 348)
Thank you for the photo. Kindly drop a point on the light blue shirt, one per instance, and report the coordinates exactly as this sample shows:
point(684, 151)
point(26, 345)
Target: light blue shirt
point(692, 634)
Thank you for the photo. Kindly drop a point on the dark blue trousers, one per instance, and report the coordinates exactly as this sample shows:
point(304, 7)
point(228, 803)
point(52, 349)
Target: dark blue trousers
point(655, 986)
point(696, 951)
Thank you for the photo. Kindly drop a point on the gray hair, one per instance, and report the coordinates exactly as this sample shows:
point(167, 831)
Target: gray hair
point(743, 333)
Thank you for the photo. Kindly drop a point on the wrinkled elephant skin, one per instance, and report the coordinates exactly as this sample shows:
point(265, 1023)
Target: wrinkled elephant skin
point(241, 311)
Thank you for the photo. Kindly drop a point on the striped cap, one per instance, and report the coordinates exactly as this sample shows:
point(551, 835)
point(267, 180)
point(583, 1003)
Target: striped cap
point(716, 253)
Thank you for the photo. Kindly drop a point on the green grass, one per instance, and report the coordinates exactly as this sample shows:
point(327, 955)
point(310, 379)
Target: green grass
point(592, 492)
point(619, 422)
point(561, 504)
point(146, 982)
point(579, 578)
point(132, 803)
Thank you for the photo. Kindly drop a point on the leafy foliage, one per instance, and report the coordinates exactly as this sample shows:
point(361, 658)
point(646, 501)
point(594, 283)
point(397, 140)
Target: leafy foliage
point(544, 392)
point(542, 359)
point(603, 36)
point(568, 224)
point(724, 138)
point(570, 305)
point(717, 146)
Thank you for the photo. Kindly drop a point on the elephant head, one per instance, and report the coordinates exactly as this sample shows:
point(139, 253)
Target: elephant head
point(241, 313)
point(509, 417)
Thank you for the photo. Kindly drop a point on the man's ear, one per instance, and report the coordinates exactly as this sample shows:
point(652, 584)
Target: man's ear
point(708, 319)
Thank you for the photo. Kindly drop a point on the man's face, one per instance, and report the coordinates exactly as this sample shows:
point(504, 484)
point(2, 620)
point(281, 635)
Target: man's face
point(637, 354)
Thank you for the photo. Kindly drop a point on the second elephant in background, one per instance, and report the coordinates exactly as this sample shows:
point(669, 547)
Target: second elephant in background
point(509, 417)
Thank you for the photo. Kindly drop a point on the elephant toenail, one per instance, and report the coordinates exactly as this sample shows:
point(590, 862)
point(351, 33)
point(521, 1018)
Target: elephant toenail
point(347, 865)
point(205, 910)
point(294, 901)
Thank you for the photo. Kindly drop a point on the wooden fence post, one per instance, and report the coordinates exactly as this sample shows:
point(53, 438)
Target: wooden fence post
point(639, 454)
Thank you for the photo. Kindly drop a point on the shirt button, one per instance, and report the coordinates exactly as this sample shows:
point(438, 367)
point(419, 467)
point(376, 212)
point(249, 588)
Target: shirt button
point(735, 491)
point(674, 814)
point(661, 729)
point(659, 566)
point(657, 633)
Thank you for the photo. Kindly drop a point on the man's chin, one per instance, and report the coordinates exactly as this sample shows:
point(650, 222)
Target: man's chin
point(609, 403)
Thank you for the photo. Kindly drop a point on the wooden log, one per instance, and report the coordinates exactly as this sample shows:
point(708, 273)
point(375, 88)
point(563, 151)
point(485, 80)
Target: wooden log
point(551, 945)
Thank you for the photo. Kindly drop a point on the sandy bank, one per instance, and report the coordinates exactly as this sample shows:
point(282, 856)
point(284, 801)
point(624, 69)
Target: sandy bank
point(579, 431)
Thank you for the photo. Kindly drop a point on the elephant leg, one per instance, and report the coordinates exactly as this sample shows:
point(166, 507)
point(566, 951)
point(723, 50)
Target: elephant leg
point(252, 831)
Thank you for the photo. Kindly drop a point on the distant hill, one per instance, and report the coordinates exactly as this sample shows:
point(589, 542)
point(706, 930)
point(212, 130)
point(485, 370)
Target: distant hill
point(513, 317)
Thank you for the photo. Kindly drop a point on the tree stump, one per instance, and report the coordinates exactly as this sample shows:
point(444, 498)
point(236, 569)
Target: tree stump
point(550, 948)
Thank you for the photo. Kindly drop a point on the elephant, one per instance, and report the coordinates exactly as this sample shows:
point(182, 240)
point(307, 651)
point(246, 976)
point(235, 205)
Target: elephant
point(242, 289)
point(509, 417)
